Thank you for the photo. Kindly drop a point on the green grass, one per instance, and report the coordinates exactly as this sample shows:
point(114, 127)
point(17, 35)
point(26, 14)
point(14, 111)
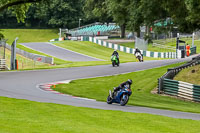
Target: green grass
point(143, 83)
point(26, 116)
point(23, 62)
point(187, 75)
point(95, 50)
point(150, 47)
point(30, 35)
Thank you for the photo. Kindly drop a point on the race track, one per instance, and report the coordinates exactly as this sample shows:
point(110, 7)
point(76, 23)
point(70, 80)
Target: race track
point(58, 52)
point(23, 85)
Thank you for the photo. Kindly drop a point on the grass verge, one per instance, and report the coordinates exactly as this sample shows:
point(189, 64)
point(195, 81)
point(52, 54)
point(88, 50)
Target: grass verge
point(143, 83)
point(23, 62)
point(27, 116)
point(30, 35)
point(190, 75)
point(150, 47)
point(95, 50)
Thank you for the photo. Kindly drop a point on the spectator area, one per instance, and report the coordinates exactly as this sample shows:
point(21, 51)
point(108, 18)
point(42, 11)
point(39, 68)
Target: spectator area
point(95, 29)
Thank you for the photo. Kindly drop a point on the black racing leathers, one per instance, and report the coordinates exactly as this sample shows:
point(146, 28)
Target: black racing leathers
point(122, 85)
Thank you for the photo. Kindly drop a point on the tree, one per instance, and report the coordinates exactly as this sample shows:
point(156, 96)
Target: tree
point(97, 10)
point(19, 7)
point(136, 17)
point(193, 7)
point(120, 13)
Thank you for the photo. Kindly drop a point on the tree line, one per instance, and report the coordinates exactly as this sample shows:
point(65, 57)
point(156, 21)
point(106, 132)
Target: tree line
point(128, 14)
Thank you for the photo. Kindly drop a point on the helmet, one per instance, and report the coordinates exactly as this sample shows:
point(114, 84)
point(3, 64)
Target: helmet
point(130, 81)
point(115, 50)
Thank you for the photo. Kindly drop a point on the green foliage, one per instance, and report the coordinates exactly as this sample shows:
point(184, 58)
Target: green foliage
point(136, 17)
point(96, 9)
point(148, 38)
point(119, 11)
point(193, 7)
point(128, 14)
point(1, 35)
point(19, 7)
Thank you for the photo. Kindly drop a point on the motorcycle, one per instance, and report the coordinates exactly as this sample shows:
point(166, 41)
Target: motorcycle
point(121, 96)
point(139, 57)
point(114, 60)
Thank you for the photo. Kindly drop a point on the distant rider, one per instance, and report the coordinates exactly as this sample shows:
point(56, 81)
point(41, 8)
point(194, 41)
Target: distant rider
point(116, 53)
point(137, 51)
point(121, 86)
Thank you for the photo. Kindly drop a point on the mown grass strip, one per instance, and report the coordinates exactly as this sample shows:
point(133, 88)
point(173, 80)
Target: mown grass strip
point(143, 83)
point(27, 116)
point(95, 50)
point(30, 35)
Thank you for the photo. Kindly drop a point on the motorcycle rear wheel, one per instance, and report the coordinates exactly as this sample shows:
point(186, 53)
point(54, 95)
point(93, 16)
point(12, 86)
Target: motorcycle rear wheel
point(109, 100)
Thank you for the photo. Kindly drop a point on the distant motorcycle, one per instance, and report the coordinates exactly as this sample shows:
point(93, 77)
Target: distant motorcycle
point(139, 57)
point(114, 60)
point(121, 96)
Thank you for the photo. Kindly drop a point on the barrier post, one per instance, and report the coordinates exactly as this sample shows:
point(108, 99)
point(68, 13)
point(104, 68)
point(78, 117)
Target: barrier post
point(160, 85)
point(13, 55)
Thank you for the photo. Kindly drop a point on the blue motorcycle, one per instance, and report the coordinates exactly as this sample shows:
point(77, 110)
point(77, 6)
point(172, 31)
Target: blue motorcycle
point(121, 96)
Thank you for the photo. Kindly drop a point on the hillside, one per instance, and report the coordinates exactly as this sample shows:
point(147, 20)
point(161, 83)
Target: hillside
point(190, 75)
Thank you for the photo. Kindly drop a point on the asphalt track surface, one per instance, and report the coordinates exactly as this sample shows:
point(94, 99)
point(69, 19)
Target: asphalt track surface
point(24, 85)
point(58, 52)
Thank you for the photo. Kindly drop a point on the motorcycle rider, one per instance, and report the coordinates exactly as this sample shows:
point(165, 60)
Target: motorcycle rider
point(121, 86)
point(137, 51)
point(116, 53)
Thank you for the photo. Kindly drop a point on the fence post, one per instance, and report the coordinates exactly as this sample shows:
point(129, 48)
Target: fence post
point(160, 85)
point(13, 55)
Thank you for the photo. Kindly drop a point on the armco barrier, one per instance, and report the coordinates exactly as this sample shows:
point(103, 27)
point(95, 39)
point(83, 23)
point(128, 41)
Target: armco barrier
point(167, 85)
point(2, 64)
point(32, 56)
point(131, 50)
point(182, 89)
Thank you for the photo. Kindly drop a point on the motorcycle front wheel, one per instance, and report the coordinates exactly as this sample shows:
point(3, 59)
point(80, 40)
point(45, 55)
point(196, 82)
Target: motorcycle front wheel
point(113, 63)
point(124, 100)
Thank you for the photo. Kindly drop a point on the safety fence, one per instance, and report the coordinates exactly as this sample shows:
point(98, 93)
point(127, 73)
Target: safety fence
point(131, 50)
point(32, 56)
point(188, 91)
point(164, 46)
point(193, 50)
